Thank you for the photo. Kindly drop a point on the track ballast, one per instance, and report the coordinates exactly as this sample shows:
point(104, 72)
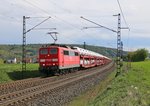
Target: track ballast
point(54, 91)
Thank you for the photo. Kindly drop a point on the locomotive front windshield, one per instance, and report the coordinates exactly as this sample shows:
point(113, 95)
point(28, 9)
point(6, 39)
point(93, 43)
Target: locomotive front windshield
point(49, 51)
point(43, 51)
point(53, 51)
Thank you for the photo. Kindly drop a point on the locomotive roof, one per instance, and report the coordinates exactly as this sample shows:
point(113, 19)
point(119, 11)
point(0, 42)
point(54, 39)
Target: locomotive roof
point(58, 45)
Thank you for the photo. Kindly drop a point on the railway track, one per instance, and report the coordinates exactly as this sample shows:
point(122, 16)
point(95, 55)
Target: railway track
point(40, 86)
point(31, 82)
point(26, 83)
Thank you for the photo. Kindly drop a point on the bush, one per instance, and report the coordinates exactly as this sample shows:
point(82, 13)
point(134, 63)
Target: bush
point(139, 55)
point(1, 61)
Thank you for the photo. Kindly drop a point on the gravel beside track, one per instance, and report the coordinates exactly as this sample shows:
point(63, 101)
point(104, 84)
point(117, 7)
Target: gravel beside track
point(64, 94)
point(55, 91)
point(31, 82)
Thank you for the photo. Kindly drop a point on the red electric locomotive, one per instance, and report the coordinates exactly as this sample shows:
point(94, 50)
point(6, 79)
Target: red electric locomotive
point(55, 59)
point(61, 59)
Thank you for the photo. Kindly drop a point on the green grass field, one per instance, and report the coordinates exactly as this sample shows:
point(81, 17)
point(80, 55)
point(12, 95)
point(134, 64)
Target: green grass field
point(132, 88)
point(11, 72)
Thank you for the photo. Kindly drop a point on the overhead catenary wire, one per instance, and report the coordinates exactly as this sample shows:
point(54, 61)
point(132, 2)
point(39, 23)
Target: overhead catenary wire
point(45, 11)
point(125, 23)
point(122, 13)
point(38, 24)
point(52, 1)
point(98, 24)
point(56, 17)
point(62, 20)
point(3, 16)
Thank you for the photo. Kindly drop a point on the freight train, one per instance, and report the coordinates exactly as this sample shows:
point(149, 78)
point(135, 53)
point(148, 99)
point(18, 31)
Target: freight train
point(60, 59)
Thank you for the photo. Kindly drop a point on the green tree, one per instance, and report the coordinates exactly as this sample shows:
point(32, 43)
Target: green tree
point(142, 54)
point(139, 55)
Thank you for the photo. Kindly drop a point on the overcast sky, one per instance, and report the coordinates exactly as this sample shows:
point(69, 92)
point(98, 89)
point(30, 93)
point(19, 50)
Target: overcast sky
point(65, 17)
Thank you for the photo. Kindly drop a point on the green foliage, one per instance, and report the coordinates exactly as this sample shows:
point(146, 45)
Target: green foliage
point(15, 51)
point(139, 55)
point(131, 88)
point(128, 89)
point(10, 72)
point(1, 61)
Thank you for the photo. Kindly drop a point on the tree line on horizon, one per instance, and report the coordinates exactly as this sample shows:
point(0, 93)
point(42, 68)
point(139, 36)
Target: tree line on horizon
point(15, 51)
point(136, 56)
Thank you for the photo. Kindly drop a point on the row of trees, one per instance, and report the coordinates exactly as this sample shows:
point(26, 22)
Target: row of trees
point(138, 55)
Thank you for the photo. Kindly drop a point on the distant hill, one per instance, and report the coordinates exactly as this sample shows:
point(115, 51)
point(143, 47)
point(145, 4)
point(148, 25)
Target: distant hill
point(15, 51)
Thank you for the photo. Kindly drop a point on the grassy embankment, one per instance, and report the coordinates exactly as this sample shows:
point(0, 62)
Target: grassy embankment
point(10, 72)
point(132, 88)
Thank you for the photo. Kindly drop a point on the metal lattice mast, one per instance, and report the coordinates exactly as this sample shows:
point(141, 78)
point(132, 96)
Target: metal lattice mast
point(24, 46)
point(119, 45)
point(84, 45)
point(24, 41)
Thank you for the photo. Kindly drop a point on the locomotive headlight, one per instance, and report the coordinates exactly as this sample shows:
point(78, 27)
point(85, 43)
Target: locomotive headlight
point(42, 60)
point(55, 59)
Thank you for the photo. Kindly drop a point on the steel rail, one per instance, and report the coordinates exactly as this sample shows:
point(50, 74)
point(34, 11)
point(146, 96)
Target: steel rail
point(29, 93)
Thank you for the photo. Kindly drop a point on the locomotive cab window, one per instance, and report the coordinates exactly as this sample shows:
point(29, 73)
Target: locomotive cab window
point(43, 51)
point(71, 53)
point(53, 51)
point(66, 52)
point(76, 54)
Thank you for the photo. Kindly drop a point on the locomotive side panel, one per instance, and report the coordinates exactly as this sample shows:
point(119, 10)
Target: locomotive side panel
point(68, 59)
